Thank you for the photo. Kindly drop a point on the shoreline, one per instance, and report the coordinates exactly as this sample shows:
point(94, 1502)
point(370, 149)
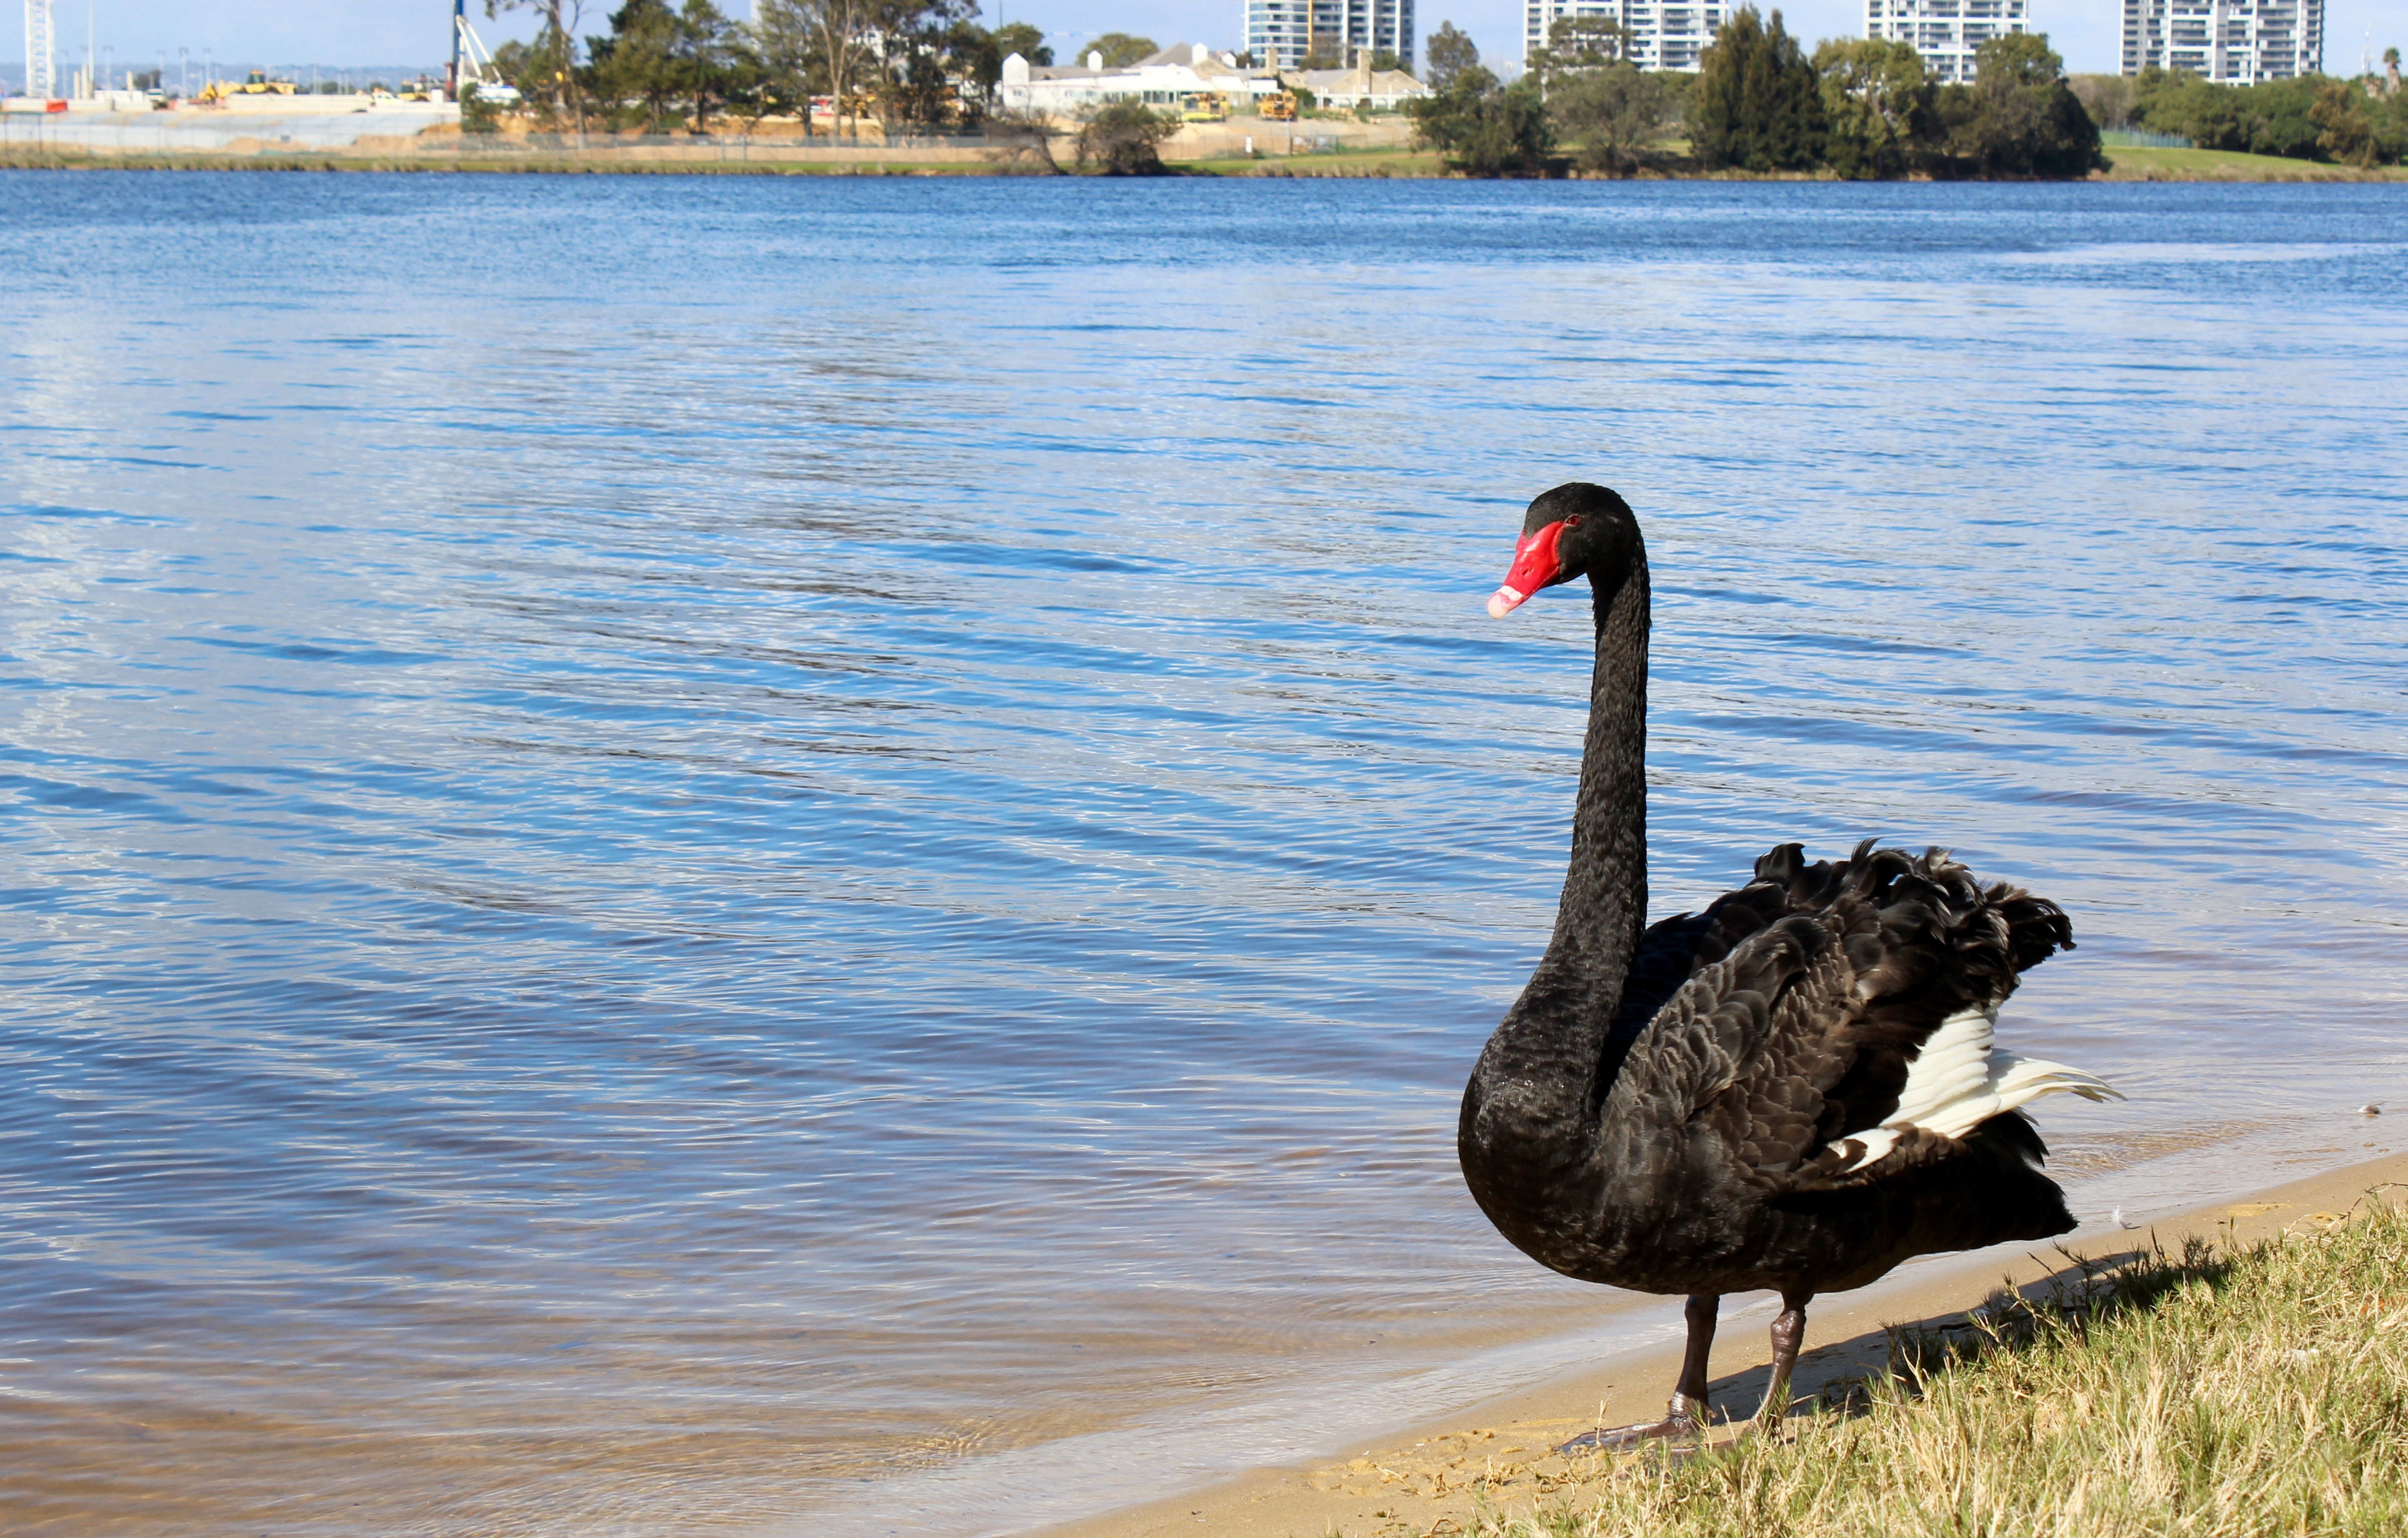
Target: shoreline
point(1379, 164)
point(1414, 1479)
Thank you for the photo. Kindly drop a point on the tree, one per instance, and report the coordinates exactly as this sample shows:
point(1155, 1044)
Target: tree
point(1026, 40)
point(1124, 139)
point(1611, 113)
point(1384, 60)
point(635, 68)
point(477, 115)
point(1576, 43)
point(829, 37)
point(785, 39)
point(1758, 104)
point(2108, 98)
point(1121, 48)
point(715, 65)
point(1022, 138)
point(1449, 54)
point(2346, 128)
point(658, 64)
point(2271, 117)
point(1483, 129)
point(548, 73)
point(2019, 119)
point(936, 65)
point(1876, 105)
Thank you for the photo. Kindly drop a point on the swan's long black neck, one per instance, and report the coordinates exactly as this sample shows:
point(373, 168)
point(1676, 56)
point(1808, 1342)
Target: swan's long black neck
point(1529, 1115)
point(1604, 904)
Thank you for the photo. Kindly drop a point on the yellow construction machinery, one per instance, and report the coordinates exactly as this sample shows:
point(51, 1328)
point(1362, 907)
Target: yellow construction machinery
point(1279, 106)
point(1205, 106)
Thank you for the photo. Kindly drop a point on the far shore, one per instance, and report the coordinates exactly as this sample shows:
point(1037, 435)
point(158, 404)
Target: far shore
point(1416, 1479)
point(470, 155)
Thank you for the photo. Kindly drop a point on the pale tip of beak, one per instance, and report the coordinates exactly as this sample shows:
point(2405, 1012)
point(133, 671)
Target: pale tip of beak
point(1501, 602)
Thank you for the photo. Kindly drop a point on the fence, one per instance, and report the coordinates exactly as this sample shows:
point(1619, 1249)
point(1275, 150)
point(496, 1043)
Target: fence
point(2141, 138)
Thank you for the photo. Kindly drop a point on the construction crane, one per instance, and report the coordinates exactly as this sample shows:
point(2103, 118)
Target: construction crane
point(472, 64)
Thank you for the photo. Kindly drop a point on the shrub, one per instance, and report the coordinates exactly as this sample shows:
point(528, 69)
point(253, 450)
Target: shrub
point(1124, 138)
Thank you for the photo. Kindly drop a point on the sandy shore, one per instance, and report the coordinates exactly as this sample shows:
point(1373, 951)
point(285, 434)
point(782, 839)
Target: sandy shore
point(1414, 1480)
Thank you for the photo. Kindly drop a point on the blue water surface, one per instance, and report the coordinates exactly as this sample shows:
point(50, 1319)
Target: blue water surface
point(703, 853)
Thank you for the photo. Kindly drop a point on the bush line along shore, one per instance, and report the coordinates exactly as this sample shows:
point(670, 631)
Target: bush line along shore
point(2126, 166)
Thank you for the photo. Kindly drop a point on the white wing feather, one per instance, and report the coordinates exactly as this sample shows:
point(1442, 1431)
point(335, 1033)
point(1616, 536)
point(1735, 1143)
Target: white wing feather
point(1959, 1080)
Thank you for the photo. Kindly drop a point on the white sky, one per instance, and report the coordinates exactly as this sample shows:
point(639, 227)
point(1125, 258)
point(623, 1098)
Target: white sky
point(391, 32)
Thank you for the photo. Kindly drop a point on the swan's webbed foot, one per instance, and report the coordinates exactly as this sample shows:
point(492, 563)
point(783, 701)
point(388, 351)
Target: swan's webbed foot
point(1681, 1422)
point(1685, 1419)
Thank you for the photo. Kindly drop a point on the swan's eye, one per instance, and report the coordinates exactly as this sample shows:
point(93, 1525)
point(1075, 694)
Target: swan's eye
point(1573, 521)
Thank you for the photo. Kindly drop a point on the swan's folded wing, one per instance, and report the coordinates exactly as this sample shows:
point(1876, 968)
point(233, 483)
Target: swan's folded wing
point(1738, 1055)
point(1807, 1055)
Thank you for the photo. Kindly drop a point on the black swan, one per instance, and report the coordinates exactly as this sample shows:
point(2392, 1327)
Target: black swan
point(1795, 1090)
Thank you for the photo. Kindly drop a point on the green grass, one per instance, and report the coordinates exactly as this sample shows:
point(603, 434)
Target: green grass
point(2208, 1395)
point(2151, 165)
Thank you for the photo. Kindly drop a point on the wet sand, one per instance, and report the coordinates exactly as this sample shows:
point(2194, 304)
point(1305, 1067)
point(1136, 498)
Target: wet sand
point(1498, 1451)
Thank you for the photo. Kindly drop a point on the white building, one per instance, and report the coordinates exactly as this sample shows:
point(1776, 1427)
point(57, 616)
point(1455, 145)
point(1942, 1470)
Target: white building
point(1946, 31)
point(1664, 33)
point(1165, 79)
point(2233, 42)
point(1380, 90)
point(1280, 34)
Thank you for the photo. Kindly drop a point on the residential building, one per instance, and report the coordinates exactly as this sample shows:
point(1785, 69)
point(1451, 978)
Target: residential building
point(1664, 33)
point(1281, 34)
point(1165, 79)
point(2232, 42)
point(1946, 31)
point(1379, 89)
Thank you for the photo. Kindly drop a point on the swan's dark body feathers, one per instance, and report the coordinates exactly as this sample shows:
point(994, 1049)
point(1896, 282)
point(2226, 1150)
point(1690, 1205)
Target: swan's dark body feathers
point(1757, 1036)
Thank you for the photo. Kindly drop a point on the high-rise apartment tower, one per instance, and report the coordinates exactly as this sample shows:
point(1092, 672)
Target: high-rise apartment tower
point(1946, 31)
point(2233, 42)
point(1282, 33)
point(41, 77)
point(1664, 33)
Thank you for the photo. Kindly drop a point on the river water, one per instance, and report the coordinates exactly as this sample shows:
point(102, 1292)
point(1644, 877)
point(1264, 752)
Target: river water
point(694, 856)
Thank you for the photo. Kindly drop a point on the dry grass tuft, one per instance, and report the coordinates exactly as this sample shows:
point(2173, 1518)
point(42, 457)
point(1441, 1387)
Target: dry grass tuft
point(2260, 1391)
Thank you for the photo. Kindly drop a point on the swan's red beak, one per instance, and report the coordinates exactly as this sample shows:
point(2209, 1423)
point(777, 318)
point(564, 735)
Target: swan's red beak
point(1536, 565)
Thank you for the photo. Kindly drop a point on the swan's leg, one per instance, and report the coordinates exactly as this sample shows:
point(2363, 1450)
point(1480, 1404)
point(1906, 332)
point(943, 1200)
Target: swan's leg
point(1686, 1415)
point(1788, 1334)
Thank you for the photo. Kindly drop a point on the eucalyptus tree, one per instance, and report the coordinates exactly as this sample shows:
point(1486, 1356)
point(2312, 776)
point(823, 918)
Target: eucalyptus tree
point(1448, 54)
point(1610, 113)
point(1876, 105)
point(830, 38)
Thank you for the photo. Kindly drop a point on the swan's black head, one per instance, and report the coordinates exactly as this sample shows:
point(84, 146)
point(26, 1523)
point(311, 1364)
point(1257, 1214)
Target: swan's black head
point(1575, 530)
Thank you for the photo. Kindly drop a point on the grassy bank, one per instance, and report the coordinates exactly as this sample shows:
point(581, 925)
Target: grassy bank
point(2262, 1389)
point(2133, 164)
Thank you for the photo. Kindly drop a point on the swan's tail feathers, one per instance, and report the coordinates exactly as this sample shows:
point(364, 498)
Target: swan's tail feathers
point(2011, 1084)
point(1957, 1081)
